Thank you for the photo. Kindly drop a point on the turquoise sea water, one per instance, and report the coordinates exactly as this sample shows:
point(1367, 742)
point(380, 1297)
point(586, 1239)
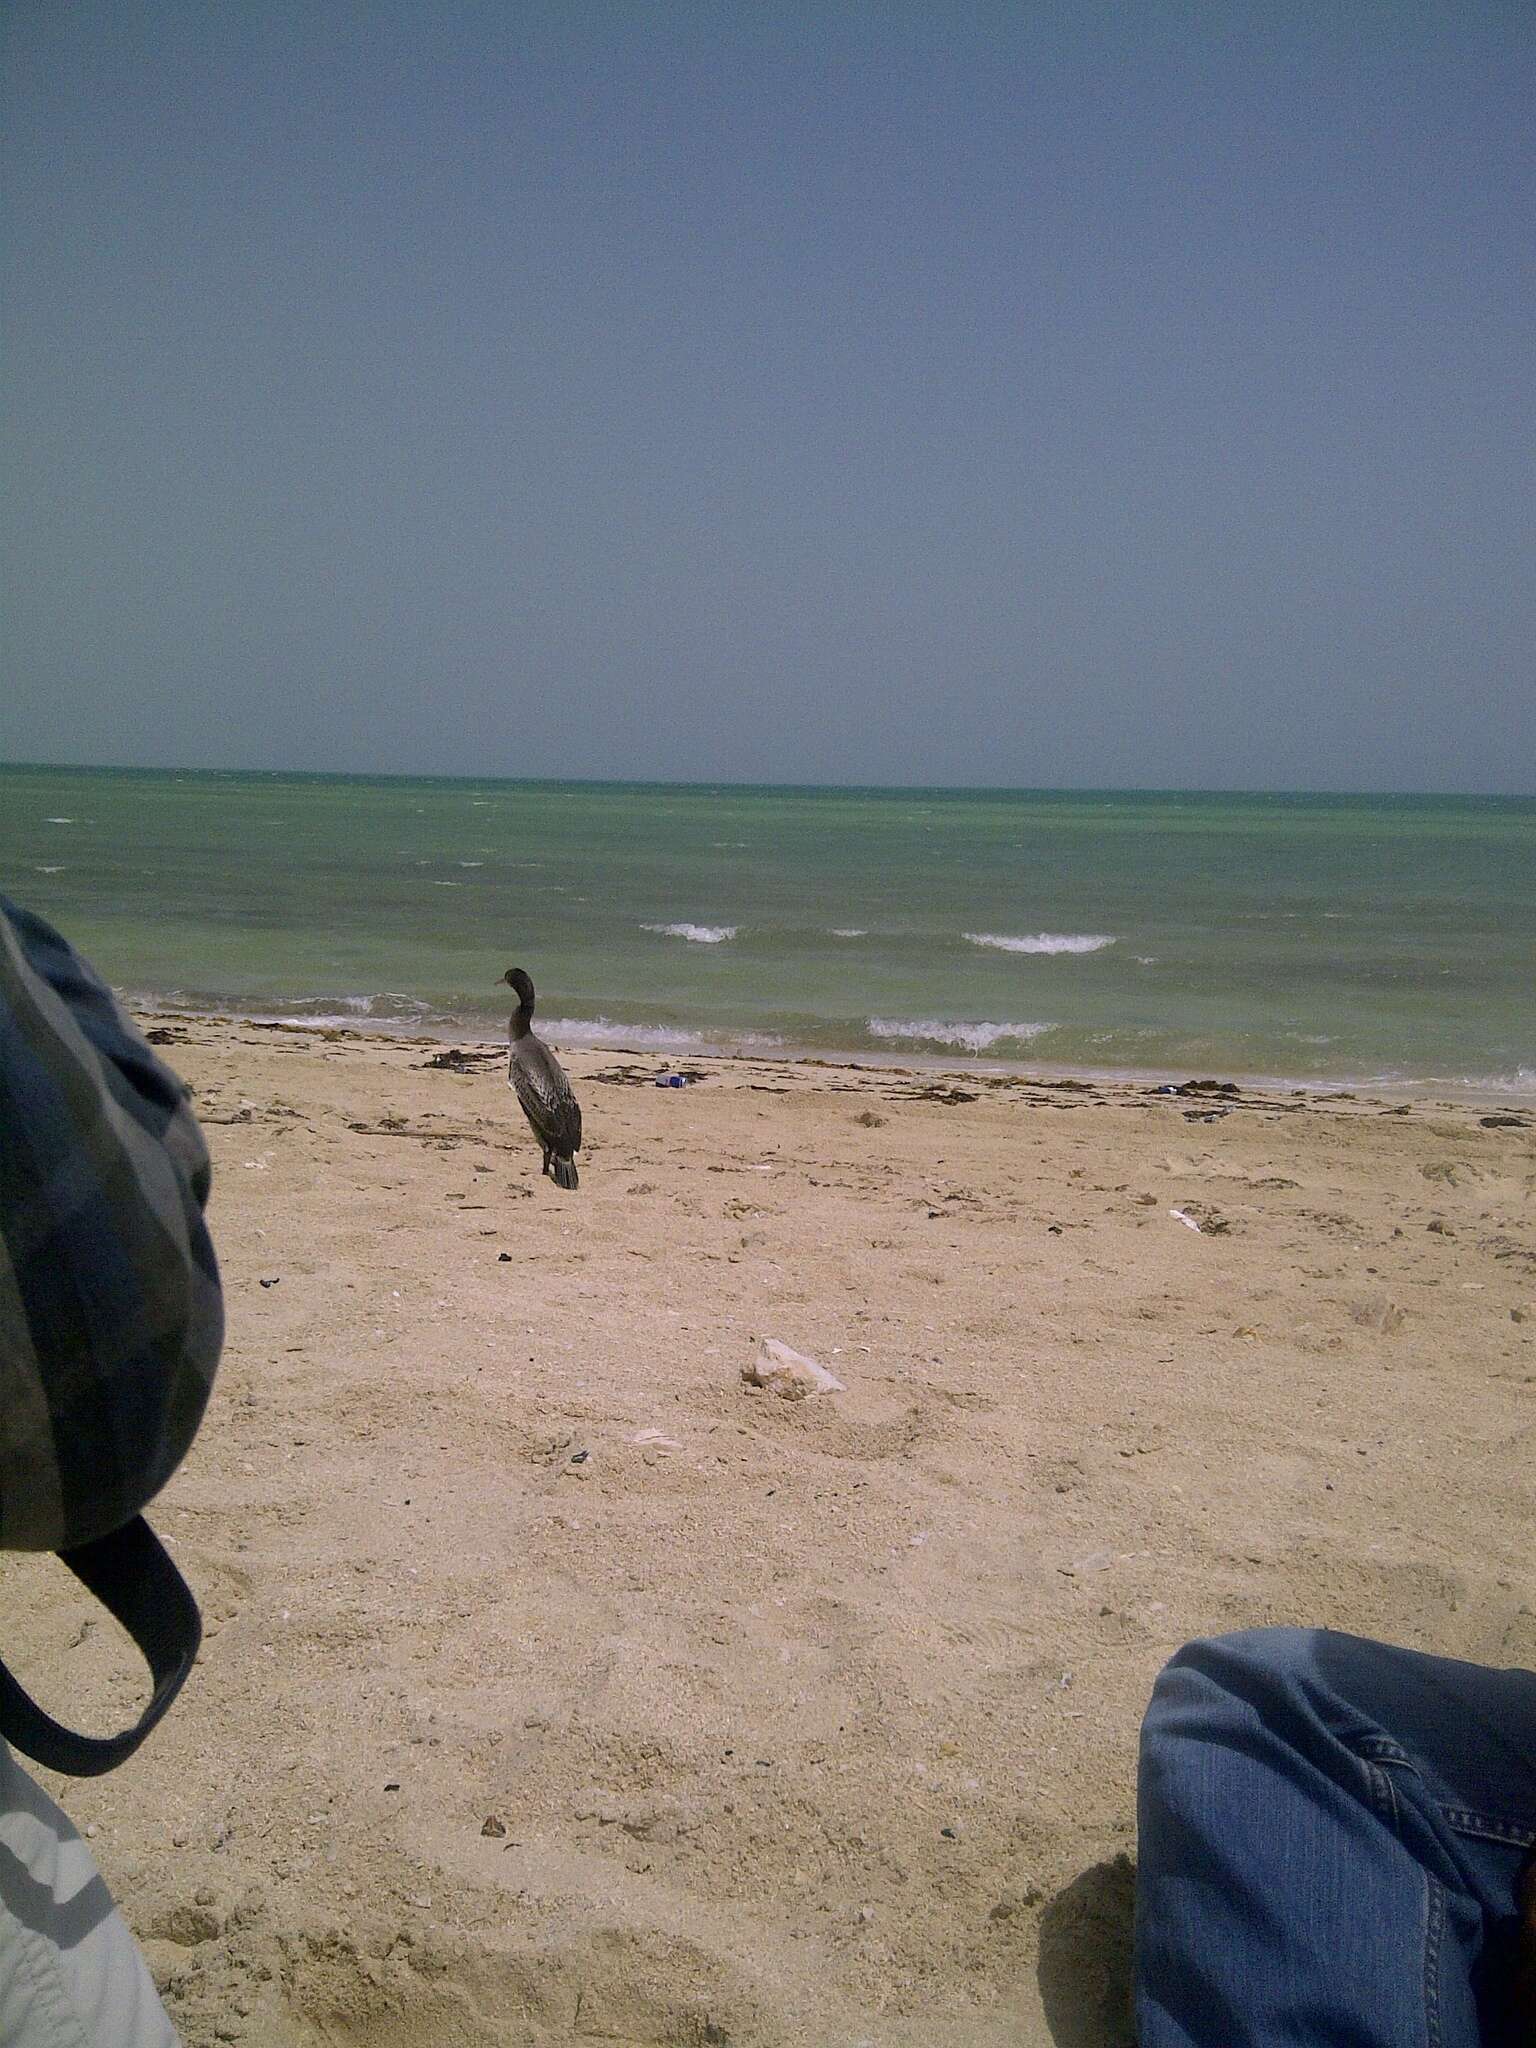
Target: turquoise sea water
point(1308, 937)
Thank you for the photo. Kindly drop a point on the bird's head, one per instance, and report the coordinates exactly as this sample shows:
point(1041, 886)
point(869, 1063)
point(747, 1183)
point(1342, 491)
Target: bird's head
point(522, 986)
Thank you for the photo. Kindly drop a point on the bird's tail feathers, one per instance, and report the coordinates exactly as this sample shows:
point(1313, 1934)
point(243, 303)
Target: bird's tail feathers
point(565, 1173)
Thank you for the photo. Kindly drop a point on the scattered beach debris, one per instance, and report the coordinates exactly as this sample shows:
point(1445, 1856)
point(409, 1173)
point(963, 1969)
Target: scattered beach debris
point(1199, 1088)
point(789, 1374)
point(869, 1119)
point(1184, 1217)
point(457, 1060)
point(655, 1440)
point(1206, 1217)
point(446, 1140)
point(1508, 1248)
point(1503, 1123)
point(494, 1826)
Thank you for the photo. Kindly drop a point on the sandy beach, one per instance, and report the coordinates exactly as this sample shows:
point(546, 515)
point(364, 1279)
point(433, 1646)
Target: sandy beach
point(558, 1686)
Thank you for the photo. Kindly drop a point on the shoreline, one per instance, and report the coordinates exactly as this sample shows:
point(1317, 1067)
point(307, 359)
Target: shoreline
point(1516, 1098)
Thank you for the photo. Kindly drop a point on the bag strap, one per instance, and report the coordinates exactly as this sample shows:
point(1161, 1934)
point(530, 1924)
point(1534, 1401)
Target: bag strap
point(135, 1581)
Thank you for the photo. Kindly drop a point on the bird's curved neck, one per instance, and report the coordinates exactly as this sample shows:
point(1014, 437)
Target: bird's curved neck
point(521, 1022)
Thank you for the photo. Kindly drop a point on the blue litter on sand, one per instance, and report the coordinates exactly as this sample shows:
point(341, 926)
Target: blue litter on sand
point(670, 1081)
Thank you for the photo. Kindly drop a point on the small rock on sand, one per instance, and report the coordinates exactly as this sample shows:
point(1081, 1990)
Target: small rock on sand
point(789, 1374)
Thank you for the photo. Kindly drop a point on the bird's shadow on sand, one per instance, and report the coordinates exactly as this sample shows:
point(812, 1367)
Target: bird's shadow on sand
point(1085, 1958)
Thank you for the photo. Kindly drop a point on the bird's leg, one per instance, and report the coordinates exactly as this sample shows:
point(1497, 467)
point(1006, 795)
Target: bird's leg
point(546, 1159)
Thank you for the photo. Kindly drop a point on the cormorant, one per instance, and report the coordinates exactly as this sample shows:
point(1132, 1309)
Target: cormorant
point(542, 1087)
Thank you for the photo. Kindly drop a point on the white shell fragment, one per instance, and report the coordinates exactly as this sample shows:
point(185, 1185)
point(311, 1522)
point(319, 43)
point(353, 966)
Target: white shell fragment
point(789, 1374)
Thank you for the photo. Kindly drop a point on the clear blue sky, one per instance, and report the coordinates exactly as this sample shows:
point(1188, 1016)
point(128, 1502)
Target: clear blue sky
point(1048, 394)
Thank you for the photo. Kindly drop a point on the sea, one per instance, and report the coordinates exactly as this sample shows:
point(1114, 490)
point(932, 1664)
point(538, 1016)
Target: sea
point(1320, 941)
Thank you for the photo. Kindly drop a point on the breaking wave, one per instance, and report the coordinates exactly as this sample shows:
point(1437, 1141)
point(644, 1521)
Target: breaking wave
point(602, 1031)
point(1519, 1081)
point(1042, 942)
point(389, 1014)
point(851, 931)
point(386, 1007)
point(955, 1031)
point(700, 934)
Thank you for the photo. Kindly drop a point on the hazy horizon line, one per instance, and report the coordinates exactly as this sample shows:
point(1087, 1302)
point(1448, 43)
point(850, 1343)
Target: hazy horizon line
point(745, 783)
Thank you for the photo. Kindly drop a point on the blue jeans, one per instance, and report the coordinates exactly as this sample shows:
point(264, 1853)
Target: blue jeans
point(1332, 1839)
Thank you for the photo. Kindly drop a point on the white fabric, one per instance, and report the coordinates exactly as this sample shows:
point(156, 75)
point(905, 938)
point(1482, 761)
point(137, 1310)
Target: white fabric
point(71, 1975)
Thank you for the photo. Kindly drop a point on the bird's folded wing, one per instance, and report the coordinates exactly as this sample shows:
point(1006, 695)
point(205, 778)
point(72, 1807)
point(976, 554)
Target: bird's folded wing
point(548, 1105)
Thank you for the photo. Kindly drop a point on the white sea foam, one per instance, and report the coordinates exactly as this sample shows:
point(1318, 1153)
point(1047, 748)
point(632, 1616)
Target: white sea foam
point(387, 1014)
point(471, 863)
point(58, 821)
point(851, 931)
point(1522, 1081)
point(1042, 942)
point(699, 934)
point(387, 1004)
point(955, 1031)
point(602, 1031)
point(50, 871)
